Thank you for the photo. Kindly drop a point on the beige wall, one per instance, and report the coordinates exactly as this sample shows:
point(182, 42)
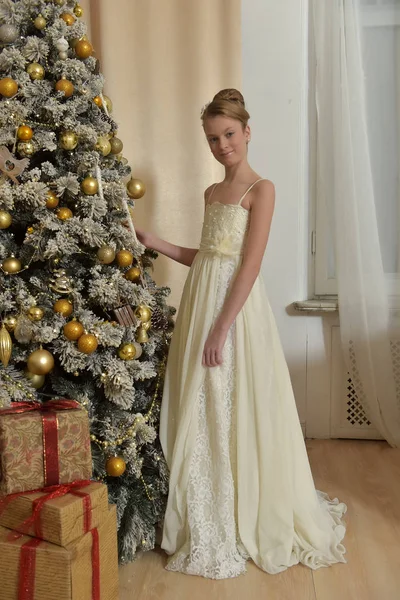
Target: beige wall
point(163, 60)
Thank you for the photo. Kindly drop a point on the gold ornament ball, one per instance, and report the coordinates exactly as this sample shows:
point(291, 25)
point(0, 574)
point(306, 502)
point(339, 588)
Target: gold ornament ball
point(66, 86)
point(40, 362)
point(11, 265)
point(5, 345)
point(35, 313)
point(68, 18)
point(136, 188)
point(143, 313)
point(87, 343)
point(124, 258)
point(78, 10)
point(116, 145)
point(24, 133)
point(52, 200)
point(10, 322)
point(103, 145)
point(73, 330)
point(5, 219)
point(35, 71)
point(59, 2)
point(64, 213)
point(115, 466)
point(36, 381)
point(108, 103)
point(26, 148)
point(40, 22)
point(127, 351)
point(8, 87)
point(90, 186)
point(68, 140)
point(64, 307)
point(83, 49)
point(98, 101)
point(133, 274)
point(106, 254)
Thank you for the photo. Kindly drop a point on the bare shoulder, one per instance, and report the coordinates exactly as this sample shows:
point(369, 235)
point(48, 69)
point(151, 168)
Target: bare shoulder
point(262, 194)
point(208, 191)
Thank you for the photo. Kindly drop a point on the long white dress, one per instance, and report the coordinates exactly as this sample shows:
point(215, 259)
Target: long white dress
point(240, 481)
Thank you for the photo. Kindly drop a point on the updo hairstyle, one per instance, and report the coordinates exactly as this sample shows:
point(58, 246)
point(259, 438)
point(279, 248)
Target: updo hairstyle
point(228, 103)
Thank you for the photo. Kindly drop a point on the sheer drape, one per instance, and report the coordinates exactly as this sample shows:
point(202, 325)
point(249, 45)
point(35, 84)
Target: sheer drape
point(163, 60)
point(357, 147)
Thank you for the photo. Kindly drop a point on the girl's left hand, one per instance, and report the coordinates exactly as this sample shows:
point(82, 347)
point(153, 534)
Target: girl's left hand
point(212, 354)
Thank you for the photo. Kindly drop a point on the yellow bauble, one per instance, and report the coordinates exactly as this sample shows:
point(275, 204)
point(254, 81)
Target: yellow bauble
point(141, 335)
point(5, 219)
point(98, 101)
point(64, 213)
point(87, 343)
point(40, 22)
point(68, 140)
point(136, 188)
point(103, 145)
point(35, 71)
point(83, 49)
point(24, 133)
point(68, 18)
point(10, 322)
point(106, 254)
point(78, 10)
point(8, 87)
point(5, 345)
point(26, 148)
point(66, 86)
point(124, 258)
point(90, 186)
point(35, 313)
point(11, 265)
point(115, 466)
point(143, 313)
point(52, 200)
point(40, 362)
point(64, 307)
point(59, 2)
point(127, 351)
point(36, 381)
point(108, 103)
point(73, 330)
point(133, 274)
point(116, 145)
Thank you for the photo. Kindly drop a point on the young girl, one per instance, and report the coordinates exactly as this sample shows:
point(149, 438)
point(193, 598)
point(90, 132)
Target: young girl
point(241, 485)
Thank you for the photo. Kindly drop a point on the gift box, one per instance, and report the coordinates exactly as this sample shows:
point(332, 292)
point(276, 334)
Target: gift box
point(59, 515)
point(43, 445)
point(87, 569)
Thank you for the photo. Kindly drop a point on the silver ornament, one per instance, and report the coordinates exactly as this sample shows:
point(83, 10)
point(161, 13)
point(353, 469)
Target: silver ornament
point(62, 45)
point(8, 34)
point(60, 283)
point(63, 55)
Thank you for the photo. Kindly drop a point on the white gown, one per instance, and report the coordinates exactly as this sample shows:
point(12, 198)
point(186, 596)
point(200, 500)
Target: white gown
point(240, 481)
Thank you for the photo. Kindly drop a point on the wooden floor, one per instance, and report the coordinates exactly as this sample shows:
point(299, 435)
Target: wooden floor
point(363, 474)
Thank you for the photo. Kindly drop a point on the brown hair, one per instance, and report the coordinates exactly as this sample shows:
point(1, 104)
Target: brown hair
point(228, 103)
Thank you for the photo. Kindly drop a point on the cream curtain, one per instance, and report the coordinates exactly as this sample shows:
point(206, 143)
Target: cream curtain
point(163, 60)
point(356, 183)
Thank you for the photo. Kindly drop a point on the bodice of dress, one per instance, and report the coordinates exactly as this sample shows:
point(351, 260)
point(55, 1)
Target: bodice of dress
point(224, 229)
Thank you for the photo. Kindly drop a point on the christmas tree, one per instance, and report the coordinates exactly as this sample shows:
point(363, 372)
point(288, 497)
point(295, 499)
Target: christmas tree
point(81, 317)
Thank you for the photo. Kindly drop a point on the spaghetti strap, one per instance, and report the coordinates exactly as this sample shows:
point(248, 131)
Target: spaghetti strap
point(212, 191)
point(248, 190)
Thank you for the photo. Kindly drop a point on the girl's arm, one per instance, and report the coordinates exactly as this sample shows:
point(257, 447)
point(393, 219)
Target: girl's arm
point(262, 205)
point(180, 254)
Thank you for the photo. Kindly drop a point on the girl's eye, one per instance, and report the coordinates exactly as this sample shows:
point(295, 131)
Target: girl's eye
point(229, 133)
point(213, 140)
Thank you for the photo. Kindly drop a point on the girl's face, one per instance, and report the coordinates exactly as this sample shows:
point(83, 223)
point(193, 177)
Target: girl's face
point(227, 139)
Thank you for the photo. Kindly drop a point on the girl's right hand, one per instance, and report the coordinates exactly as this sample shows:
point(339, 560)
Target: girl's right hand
point(144, 237)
